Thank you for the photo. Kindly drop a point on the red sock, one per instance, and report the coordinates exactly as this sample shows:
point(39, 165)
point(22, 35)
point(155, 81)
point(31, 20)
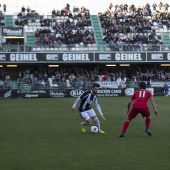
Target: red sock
point(147, 122)
point(125, 126)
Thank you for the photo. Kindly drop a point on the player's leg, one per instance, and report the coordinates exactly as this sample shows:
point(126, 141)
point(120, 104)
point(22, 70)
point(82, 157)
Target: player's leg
point(146, 113)
point(97, 123)
point(88, 120)
point(125, 126)
point(147, 123)
point(93, 116)
point(131, 116)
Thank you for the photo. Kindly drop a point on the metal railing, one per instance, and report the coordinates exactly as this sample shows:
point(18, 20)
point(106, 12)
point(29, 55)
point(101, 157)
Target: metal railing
point(23, 86)
point(86, 48)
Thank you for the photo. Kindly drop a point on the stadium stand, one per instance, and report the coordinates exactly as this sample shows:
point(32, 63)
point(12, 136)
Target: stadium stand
point(60, 31)
point(120, 28)
point(79, 76)
point(135, 29)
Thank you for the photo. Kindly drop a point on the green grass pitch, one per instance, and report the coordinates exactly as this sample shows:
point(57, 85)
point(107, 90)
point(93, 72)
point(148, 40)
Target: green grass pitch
point(44, 134)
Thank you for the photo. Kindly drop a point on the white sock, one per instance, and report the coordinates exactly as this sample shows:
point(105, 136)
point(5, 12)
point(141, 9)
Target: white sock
point(97, 123)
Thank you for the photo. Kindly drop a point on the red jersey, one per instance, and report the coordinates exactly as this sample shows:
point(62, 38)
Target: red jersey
point(140, 98)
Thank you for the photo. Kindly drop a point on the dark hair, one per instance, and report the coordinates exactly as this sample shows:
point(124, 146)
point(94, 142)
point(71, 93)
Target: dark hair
point(142, 85)
point(96, 85)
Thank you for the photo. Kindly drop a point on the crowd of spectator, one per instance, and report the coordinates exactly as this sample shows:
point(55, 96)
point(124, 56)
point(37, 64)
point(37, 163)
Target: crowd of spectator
point(54, 33)
point(25, 15)
point(123, 25)
point(69, 32)
point(64, 36)
point(82, 76)
point(64, 12)
point(77, 77)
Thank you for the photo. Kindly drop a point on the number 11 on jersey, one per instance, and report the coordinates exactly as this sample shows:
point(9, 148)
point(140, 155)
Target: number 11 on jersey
point(142, 94)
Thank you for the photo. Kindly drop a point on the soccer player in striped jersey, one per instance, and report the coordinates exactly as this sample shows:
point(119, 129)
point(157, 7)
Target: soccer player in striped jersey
point(139, 99)
point(86, 110)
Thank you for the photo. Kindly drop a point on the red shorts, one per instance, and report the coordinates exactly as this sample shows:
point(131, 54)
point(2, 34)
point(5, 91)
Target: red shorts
point(135, 111)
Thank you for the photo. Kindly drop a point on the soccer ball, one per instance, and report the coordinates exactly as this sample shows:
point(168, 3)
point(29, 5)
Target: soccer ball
point(94, 129)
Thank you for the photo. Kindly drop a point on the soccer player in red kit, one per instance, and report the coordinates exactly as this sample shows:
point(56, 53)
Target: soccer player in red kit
point(139, 99)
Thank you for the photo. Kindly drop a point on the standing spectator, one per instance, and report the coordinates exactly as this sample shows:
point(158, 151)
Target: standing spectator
point(53, 12)
point(125, 7)
point(68, 7)
point(116, 6)
point(28, 9)
point(160, 5)
point(110, 6)
point(4, 8)
point(132, 7)
point(23, 9)
point(166, 6)
point(154, 7)
point(166, 89)
point(147, 6)
point(2, 23)
point(62, 12)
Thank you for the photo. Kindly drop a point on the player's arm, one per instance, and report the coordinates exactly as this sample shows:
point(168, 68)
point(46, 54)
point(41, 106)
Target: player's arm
point(99, 109)
point(75, 103)
point(153, 105)
point(129, 105)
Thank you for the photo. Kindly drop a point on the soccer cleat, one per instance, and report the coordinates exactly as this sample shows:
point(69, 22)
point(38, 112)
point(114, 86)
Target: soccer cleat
point(148, 132)
point(83, 129)
point(122, 135)
point(101, 131)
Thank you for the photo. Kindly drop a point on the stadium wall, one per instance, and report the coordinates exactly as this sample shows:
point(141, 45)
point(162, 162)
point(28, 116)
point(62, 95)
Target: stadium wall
point(61, 93)
point(114, 57)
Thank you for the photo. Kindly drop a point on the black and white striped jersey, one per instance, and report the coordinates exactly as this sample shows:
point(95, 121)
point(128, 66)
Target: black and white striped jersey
point(86, 99)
